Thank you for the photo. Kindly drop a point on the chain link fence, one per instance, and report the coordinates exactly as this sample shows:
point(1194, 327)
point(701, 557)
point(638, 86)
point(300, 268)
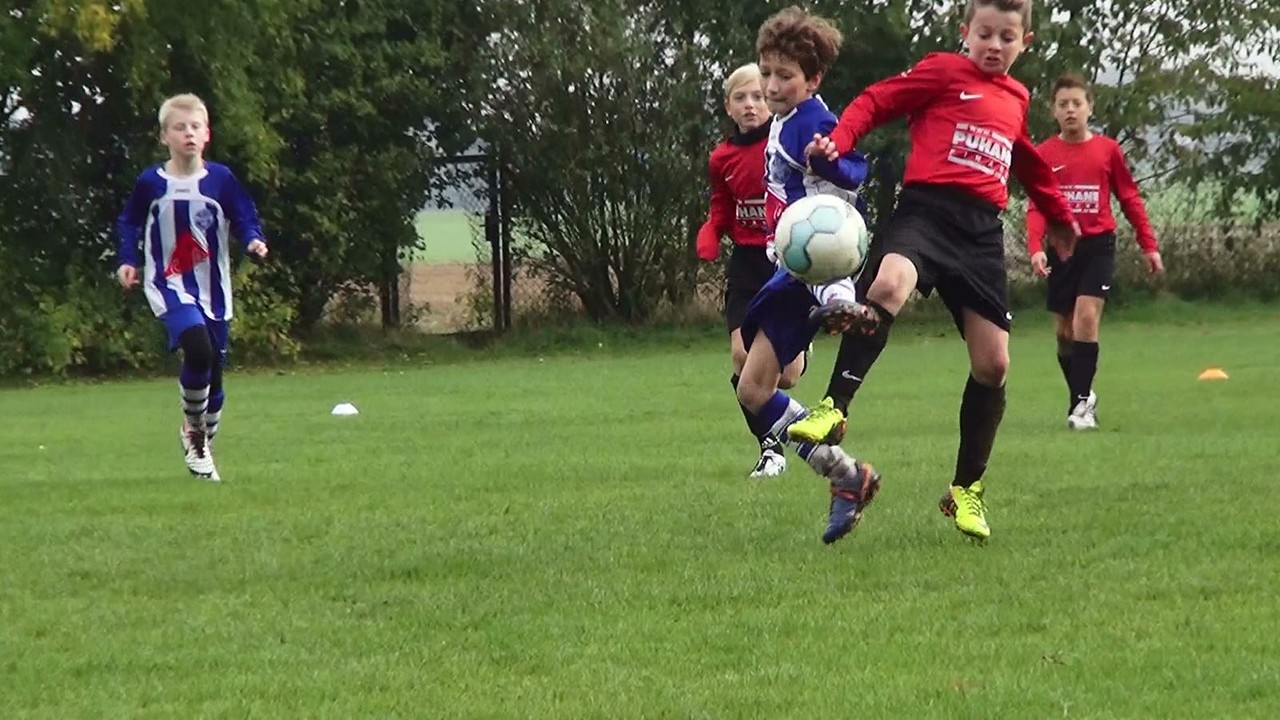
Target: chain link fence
point(458, 278)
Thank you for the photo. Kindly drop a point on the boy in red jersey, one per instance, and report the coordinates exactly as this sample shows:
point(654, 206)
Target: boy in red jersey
point(1088, 167)
point(736, 170)
point(967, 119)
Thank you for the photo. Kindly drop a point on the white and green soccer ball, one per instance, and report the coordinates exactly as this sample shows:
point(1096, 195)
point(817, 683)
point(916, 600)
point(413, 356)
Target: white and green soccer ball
point(821, 238)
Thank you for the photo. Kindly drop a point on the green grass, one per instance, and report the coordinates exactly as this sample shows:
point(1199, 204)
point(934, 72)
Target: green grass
point(446, 236)
point(572, 536)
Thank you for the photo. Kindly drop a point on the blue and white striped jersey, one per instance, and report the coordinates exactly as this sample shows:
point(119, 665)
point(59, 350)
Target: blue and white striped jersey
point(185, 225)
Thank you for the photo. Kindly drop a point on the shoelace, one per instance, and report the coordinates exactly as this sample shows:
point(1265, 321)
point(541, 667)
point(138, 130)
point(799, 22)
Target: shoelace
point(822, 412)
point(973, 502)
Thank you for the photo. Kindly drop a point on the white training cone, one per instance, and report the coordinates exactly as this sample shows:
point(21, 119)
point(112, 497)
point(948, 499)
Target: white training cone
point(345, 409)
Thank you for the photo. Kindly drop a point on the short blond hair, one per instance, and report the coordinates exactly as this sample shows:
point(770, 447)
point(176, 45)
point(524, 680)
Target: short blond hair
point(745, 74)
point(185, 101)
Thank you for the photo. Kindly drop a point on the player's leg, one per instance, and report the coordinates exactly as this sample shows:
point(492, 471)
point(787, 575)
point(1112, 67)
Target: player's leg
point(975, 288)
point(1062, 329)
point(1097, 270)
point(186, 328)
point(1084, 362)
point(218, 340)
point(860, 347)
point(852, 484)
point(748, 270)
point(217, 395)
point(981, 410)
point(1066, 279)
point(776, 331)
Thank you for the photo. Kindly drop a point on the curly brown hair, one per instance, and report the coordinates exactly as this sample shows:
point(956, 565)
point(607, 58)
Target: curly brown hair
point(796, 34)
point(1018, 6)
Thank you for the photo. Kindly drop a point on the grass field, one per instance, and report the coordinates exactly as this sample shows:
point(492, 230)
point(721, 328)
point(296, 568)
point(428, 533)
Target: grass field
point(573, 536)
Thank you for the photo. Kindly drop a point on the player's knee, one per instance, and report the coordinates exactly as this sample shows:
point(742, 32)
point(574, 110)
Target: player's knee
point(992, 369)
point(197, 350)
point(790, 376)
point(1086, 324)
point(753, 395)
point(892, 286)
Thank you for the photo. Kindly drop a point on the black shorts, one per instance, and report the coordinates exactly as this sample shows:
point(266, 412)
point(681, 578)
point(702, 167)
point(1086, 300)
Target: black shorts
point(749, 269)
point(956, 242)
point(1090, 271)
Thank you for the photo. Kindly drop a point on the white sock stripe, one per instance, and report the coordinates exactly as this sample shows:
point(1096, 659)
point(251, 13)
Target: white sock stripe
point(842, 289)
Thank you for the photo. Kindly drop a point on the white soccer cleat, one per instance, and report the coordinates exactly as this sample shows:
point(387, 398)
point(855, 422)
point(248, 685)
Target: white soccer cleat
point(771, 464)
point(1084, 415)
point(198, 456)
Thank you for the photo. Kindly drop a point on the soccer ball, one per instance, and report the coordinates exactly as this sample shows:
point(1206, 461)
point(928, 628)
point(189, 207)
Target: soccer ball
point(821, 238)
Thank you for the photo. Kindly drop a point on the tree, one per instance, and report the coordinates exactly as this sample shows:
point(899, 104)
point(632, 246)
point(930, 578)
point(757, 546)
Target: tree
point(597, 112)
point(318, 105)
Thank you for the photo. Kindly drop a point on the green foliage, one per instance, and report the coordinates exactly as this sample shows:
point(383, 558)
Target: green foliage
point(603, 143)
point(264, 321)
point(600, 113)
point(83, 325)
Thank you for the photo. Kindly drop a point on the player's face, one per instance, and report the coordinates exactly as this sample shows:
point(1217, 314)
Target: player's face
point(185, 133)
point(746, 106)
point(785, 84)
point(995, 39)
point(1072, 110)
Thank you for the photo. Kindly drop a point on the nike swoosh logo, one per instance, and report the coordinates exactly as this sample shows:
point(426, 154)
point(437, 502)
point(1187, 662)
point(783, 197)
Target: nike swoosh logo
point(970, 96)
point(850, 376)
point(1056, 168)
point(1106, 287)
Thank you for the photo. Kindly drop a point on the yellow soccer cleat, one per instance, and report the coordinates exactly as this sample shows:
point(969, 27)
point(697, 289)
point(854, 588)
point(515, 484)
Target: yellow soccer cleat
point(970, 510)
point(824, 425)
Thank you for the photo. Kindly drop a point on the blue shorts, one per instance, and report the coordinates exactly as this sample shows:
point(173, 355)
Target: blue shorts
point(781, 311)
point(184, 317)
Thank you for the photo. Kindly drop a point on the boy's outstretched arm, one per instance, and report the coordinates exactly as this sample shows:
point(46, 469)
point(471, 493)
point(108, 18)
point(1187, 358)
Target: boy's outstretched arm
point(848, 171)
point(881, 102)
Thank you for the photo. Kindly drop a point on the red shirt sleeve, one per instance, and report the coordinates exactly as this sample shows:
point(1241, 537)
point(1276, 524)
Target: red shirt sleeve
point(1126, 191)
point(890, 98)
point(719, 217)
point(1035, 229)
point(1031, 169)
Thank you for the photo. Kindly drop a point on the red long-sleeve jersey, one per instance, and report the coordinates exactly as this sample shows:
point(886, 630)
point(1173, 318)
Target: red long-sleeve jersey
point(736, 170)
point(1087, 173)
point(968, 129)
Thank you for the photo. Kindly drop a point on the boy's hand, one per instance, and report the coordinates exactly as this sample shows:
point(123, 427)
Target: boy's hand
point(1040, 264)
point(1062, 238)
point(1154, 264)
point(127, 275)
point(822, 145)
point(256, 247)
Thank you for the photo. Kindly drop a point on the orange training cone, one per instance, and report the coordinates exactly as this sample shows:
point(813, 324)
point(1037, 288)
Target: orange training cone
point(1213, 373)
